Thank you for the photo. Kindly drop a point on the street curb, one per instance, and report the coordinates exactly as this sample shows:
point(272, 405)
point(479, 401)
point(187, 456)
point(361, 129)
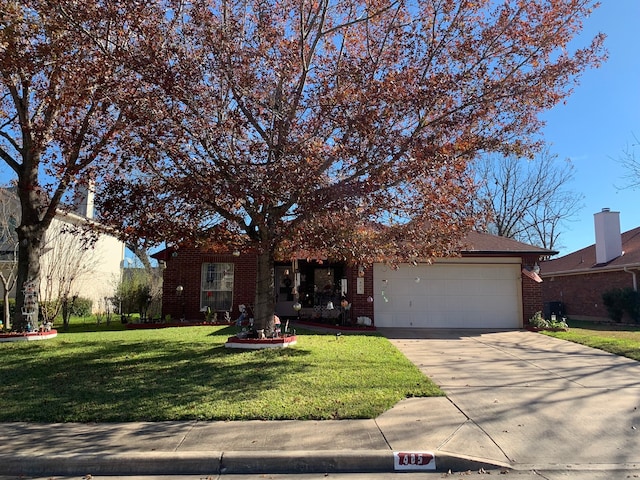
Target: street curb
point(214, 462)
point(462, 463)
point(317, 461)
point(132, 463)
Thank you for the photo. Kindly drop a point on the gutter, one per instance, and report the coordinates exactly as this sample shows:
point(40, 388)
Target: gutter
point(635, 283)
point(614, 268)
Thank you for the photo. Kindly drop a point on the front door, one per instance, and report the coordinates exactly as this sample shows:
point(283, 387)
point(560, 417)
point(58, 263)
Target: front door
point(284, 291)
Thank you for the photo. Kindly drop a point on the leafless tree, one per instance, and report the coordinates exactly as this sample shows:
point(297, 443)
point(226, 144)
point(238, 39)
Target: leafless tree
point(527, 200)
point(8, 248)
point(631, 163)
point(153, 276)
point(70, 258)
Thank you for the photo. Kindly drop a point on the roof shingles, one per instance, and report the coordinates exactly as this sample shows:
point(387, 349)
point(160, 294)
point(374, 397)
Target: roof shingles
point(584, 260)
point(478, 242)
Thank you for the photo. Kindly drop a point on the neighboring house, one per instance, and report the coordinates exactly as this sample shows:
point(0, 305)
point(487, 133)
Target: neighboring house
point(492, 284)
point(92, 272)
point(578, 280)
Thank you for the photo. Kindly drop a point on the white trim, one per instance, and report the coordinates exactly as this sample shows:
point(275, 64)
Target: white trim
point(480, 260)
point(568, 273)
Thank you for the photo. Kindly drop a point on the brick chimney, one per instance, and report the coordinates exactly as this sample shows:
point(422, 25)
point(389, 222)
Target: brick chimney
point(608, 237)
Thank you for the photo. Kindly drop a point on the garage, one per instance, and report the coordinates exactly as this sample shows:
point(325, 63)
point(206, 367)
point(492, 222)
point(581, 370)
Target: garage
point(453, 293)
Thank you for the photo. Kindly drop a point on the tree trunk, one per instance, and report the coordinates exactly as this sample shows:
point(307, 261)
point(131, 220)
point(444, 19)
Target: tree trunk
point(8, 282)
point(265, 291)
point(7, 310)
point(30, 240)
point(66, 313)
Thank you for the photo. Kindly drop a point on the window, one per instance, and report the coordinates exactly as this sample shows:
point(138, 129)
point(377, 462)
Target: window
point(217, 286)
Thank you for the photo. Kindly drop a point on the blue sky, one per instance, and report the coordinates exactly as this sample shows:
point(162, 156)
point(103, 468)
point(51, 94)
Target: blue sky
point(599, 121)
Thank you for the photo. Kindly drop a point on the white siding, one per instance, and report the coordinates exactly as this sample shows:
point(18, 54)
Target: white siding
point(102, 264)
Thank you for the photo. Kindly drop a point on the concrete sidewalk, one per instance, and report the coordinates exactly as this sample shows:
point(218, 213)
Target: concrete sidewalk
point(515, 399)
point(209, 448)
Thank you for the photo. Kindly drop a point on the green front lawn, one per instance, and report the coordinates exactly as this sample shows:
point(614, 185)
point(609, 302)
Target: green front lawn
point(621, 340)
point(187, 373)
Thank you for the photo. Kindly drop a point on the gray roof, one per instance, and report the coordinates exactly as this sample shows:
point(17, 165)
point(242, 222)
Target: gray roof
point(485, 243)
point(584, 260)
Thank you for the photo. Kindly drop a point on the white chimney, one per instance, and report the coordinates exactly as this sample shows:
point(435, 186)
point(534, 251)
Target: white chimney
point(85, 199)
point(608, 237)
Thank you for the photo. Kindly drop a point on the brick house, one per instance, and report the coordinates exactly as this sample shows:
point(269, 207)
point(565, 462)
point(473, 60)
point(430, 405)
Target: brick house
point(577, 280)
point(492, 284)
point(194, 279)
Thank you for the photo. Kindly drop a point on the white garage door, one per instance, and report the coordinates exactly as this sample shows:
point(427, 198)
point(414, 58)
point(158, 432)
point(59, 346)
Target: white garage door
point(451, 295)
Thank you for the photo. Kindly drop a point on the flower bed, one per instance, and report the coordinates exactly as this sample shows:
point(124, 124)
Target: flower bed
point(27, 336)
point(260, 343)
point(547, 329)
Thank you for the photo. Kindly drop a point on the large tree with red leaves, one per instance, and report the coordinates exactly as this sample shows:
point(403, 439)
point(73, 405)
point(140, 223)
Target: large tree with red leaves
point(64, 97)
point(58, 115)
point(336, 126)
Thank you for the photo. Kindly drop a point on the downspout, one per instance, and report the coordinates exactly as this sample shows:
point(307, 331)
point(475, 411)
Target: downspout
point(635, 283)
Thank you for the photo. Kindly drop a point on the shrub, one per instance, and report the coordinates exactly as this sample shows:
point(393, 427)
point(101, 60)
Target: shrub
point(620, 300)
point(48, 310)
point(78, 307)
point(558, 324)
point(631, 303)
point(133, 292)
point(82, 307)
point(538, 321)
point(12, 308)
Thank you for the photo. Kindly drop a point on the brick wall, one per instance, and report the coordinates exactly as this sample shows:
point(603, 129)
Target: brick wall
point(531, 291)
point(185, 268)
point(582, 294)
point(531, 298)
point(360, 304)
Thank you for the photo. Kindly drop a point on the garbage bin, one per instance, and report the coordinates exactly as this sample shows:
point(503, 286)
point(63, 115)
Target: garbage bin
point(553, 308)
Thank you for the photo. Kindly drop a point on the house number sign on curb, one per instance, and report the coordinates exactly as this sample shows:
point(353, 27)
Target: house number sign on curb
point(414, 461)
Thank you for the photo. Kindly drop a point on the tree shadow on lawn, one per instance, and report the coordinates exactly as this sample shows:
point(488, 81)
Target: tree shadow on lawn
point(140, 381)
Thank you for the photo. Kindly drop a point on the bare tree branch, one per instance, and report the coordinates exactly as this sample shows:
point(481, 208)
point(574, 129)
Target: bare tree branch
point(528, 200)
point(631, 163)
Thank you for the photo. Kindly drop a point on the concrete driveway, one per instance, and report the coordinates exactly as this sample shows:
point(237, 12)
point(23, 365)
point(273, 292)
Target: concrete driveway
point(532, 400)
